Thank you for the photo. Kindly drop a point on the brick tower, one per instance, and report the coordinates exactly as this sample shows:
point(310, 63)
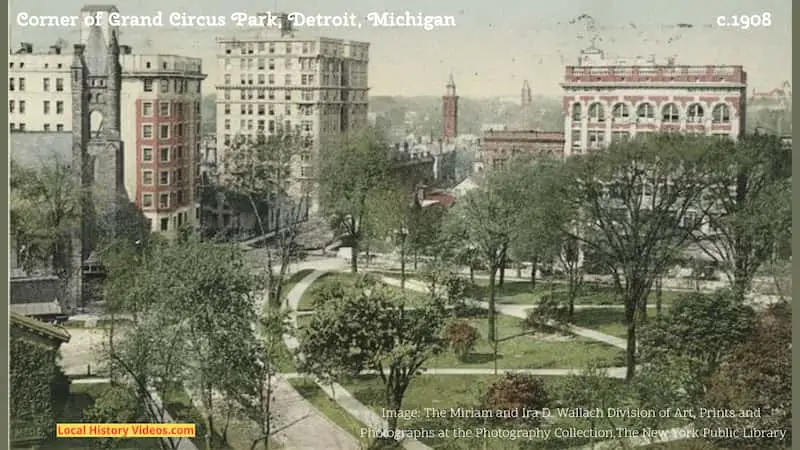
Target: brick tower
point(97, 150)
point(450, 111)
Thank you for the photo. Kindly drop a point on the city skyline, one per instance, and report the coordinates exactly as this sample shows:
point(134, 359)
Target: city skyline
point(491, 51)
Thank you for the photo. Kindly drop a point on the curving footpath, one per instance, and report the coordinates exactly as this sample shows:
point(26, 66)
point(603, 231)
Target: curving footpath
point(372, 420)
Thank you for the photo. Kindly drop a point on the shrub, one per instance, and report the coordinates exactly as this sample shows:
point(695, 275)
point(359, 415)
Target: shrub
point(517, 392)
point(461, 337)
point(550, 312)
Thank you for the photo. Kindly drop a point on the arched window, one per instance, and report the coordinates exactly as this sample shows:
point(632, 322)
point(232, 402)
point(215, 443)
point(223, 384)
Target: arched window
point(596, 112)
point(721, 114)
point(620, 111)
point(577, 111)
point(670, 113)
point(695, 113)
point(645, 111)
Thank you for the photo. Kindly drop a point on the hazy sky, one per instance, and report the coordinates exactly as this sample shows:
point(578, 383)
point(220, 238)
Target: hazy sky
point(495, 45)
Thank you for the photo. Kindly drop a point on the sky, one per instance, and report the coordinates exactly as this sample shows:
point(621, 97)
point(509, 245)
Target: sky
point(493, 47)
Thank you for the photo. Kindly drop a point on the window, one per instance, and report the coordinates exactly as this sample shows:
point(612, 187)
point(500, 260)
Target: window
point(288, 79)
point(147, 200)
point(288, 95)
point(670, 113)
point(271, 110)
point(147, 132)
point(721, 114)
point(261, 94)
point(271, 64)
point(165, 220)
point(227, 78)
point(289, 48)
point(596, 139)
point(22, 106)
point(22, 127)
point(10, 84)
point(163, 132)
point(272, 78)
point(163, 178)
point(271, 94)
point(148, 85)
point(227, 139)
point(59, 85)
point(261, 78)
point(227, 108)
point(272, 47)
point(620, 136)
point(46, 84)
point(46, 107)
point(576, 140)
point(695, 113)
point(227, 94)
point(147, 109)
point(163, 109)
point(645, 111)
point(59, 107)
point(596, 113)
point(620, 111)
point(11, 126)
point(11, 106)
point(47, 127)
point(147, 177)
point(164, 88)
point(60, 127)
point(306, 125)
point(147, 153)
point(164, 154)
point(228, 123)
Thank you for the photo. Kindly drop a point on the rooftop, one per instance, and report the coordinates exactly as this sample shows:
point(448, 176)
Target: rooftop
point(38, 327)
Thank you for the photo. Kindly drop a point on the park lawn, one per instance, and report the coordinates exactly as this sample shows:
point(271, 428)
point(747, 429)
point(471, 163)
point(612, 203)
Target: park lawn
point(449, 391)
point(530, 351)
point(515, 292)
point(328, 407)
point(606, 320)
point(599, 294)
point(81, 397)
point(307, 300)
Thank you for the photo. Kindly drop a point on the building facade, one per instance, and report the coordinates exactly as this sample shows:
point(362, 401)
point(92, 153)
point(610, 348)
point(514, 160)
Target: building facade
point(497, 147)
point(145, 106)
point(278, 79)
point(605, 100)
point(450, 111)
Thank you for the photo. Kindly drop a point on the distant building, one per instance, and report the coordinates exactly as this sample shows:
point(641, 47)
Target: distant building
point(779, 99)
point(450, 111)
point(612, 99)
point(497, 147)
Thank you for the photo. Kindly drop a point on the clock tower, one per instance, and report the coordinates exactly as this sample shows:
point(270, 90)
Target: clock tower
point(97, 150)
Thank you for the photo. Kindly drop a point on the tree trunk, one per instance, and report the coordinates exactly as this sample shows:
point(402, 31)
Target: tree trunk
point(209, 421)
point(519, 270)
point(502, 279)
point(366, 253)
point(571, 294)
point(403, 264)
point(630, 351)
point(658, 298)
point(354, 257)
point(492, 275)
point(416, 259)
point(534, 263)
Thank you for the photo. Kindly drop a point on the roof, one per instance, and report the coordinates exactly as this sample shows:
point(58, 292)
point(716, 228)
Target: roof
point(37, 309)
point(438, 198)
point(38, 327)
point(35, 149)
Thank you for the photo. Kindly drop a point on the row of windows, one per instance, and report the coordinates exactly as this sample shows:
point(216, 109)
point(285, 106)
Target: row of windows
point(271, 110)
point(670, 113)
point(165, 131)
point(178, 86)
point(267, 94)
point(307, 141)
point(21, 106)
point(249, 79)
point(305, 125)
point(18, 84)
point(261, 47)
point(13, 126)
point(22, 65)
point(165, 154)
point(177, 221)
point(165, 108)
point(597, 139)
point(164, 199)
point(164, 177)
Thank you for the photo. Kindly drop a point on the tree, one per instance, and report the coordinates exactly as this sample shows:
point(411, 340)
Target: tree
point(634, 198)
point(696, 335)
point(461, 337)
point(570, 260)
point(592, 388)
point(517, 391)
point(117, 404)
point(752, 210)
point(392, 220)
point(368, 328)
point(352, 170)
point(266, 172)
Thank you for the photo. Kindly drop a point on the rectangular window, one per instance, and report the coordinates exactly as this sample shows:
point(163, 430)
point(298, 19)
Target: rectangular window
point(22, 127)
point(596, 139)
point(60, 127)
point(147, 177)
point(47, 127)
point(164, 88)
point(147, 109)
point(147, 153)
point(59, 85)
point(163, 109)
point(227, 78)
point(11, 106)
point(148, 85)
point(165, 221)
point(147, 200)
point(22, 106)
point(163, 178)
point(163, 132)
point(227, 108)
point(164, 154)
point(272, 78)
point(46, 84)
point(11, 84)
point(147, 132)
point(228, 124)
point(59, 107)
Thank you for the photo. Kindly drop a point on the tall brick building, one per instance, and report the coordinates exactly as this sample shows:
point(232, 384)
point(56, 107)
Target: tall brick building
point(450, 111)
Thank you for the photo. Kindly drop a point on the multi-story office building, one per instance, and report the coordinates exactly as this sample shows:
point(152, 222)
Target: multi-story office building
point(275, 79)
point(158, 103)
point(606, 99)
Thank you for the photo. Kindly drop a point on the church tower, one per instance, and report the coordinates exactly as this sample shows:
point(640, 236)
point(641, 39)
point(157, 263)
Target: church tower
point(450, 110)
point(526, 100)
point(97, 151)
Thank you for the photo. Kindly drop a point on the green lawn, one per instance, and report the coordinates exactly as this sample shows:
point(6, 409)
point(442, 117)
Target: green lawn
point(606, 320)
point(82, 397)
point(412, 298)
point(335, 413)
point(520, 293)
point(444, 392)
point(530, 351)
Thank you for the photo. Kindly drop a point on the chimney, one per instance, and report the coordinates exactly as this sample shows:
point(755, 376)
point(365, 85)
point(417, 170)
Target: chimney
point(287, 26)
point(78, 49)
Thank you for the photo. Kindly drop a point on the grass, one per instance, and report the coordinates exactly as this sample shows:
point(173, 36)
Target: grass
point(520, 293)
point(444, 392)
point(606, 320)
point(328, 407)
point(413, 298)
point(82, 397)
point(529, 351)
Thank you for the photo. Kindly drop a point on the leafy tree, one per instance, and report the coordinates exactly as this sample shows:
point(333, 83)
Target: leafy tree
point(752, 209)
point(633, 198)
point(592, 388)
point(117, 404)
point(266, 172)
point(517, 391)
point(352, 171)
point(368, 328)
point(757, 375)
point(570, 260)
point(394, 209)
point(698, 332)
point(461, 337)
